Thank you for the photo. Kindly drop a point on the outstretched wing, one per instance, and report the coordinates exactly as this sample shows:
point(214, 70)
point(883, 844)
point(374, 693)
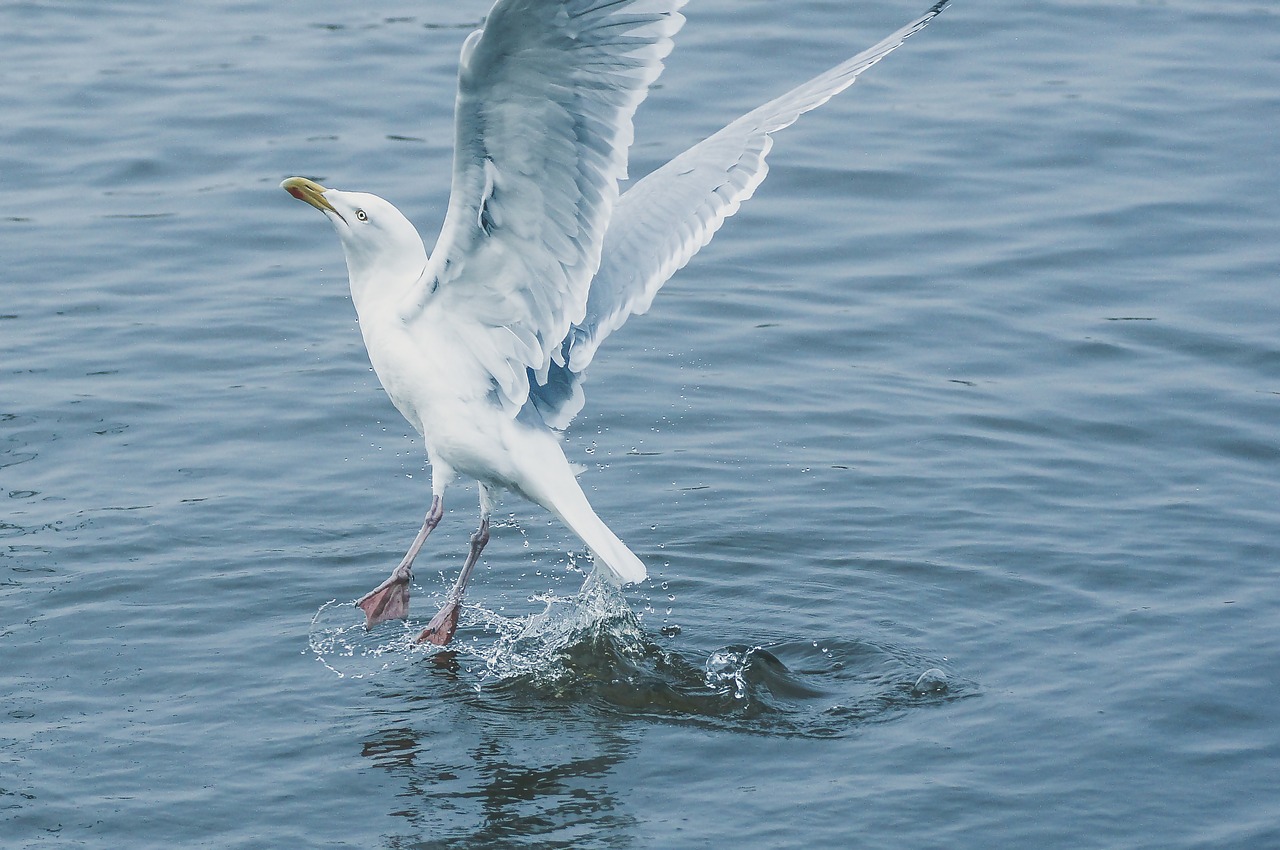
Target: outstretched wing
point(666, 218)
point(546, 93)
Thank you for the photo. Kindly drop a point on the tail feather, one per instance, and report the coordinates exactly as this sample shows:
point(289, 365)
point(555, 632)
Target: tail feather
point(571, 506)
point(549, 480)
point(609, 550)
point(604, 544)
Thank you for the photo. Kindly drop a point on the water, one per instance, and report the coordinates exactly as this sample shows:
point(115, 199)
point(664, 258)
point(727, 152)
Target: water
point(954, 458)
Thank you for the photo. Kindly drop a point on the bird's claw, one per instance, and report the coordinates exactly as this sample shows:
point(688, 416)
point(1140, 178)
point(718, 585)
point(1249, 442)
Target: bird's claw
point(389, 600)
point(443, 625)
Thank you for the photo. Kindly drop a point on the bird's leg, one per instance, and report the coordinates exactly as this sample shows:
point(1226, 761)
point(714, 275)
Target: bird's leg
point(390, 600)
point(442, 626)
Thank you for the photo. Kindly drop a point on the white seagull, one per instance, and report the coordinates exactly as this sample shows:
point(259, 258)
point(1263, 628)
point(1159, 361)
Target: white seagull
point(482, 343)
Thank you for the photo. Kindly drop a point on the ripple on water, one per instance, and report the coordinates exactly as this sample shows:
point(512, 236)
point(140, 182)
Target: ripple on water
point(591, 653)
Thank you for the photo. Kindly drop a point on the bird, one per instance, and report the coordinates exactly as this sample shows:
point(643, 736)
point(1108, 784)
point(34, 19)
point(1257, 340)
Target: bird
point(482, 342)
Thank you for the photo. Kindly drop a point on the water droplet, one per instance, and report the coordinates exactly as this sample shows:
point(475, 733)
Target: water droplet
point(931, 681)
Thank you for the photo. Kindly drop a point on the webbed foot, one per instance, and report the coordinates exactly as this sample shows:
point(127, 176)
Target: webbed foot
point(443, 625)
point(389, 600)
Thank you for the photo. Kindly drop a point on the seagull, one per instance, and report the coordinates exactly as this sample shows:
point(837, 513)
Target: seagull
point(482, 343)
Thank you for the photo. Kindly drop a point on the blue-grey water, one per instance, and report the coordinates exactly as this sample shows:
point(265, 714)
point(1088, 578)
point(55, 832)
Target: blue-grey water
point(955, 457)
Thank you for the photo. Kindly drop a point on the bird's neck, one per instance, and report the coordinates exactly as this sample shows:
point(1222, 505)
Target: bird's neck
point(377, 286)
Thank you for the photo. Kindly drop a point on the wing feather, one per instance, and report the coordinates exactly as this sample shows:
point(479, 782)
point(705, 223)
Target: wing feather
point(666, 218)
point(546, 94)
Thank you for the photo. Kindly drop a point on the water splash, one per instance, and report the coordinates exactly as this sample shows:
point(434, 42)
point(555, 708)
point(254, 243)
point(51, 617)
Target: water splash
point(590, 652)
point(491, 645)
point(339, 641)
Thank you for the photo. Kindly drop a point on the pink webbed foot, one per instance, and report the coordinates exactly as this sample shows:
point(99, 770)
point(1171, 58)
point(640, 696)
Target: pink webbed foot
point(389, 600)
point(443, 625)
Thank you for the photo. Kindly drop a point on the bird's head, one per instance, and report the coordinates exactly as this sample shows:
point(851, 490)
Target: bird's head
point(380, 244)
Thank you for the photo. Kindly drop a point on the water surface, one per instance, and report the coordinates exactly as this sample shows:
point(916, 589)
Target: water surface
point(954, 458)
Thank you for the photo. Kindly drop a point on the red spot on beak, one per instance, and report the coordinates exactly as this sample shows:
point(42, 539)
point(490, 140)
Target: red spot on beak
point(296, 192)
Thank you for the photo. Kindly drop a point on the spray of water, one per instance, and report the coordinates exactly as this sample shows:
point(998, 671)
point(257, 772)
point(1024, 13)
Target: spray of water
point(590, 651)
point(492, 646)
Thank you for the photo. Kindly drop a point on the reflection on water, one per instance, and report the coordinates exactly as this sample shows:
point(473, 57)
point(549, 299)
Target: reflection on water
point(590, 653)
point(470, 784)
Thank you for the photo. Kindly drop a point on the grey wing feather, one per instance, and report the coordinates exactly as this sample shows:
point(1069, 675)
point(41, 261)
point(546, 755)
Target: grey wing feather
point(546, 93)
point(666, 218)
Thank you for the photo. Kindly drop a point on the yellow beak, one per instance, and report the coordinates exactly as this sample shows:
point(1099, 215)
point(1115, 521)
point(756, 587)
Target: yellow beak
point(309, 191)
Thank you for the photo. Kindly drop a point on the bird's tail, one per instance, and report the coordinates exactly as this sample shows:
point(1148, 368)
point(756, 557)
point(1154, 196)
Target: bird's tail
point(608, 549)
point(570, 504)
point(549, 480)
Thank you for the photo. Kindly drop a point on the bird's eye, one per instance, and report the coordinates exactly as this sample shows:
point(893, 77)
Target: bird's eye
point(361, 215)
